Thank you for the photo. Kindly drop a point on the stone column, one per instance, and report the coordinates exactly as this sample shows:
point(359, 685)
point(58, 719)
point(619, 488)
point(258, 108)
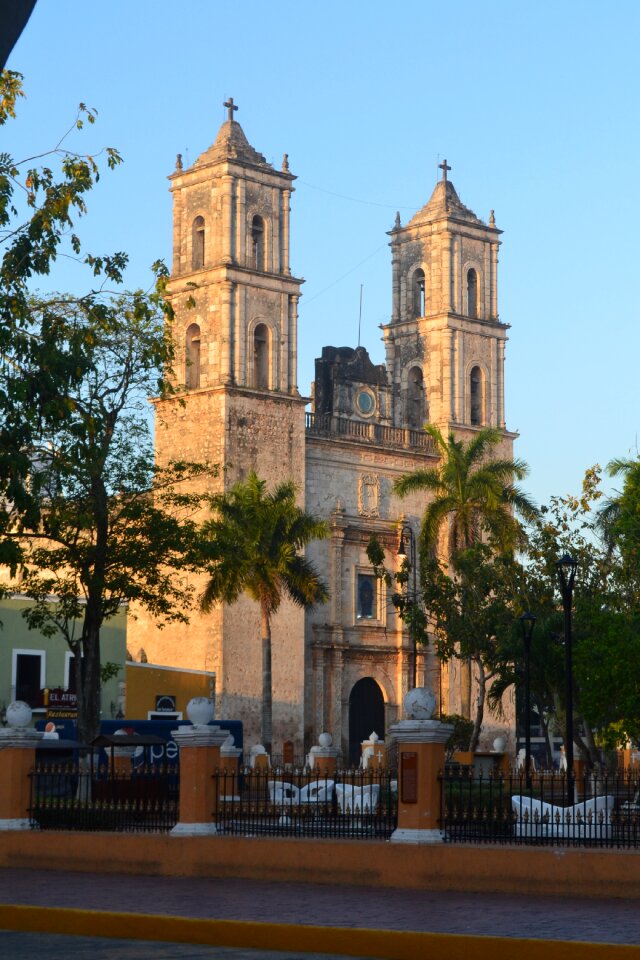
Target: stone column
point(494, 410)
point(395, 279)
point(275, 246)
point(293, 344)
point(241, 223)
point(446, 274)
point(227, 219)
point(494, 281)
point(18, 744)
point(501, 422)
point(286, 208)
point(226, 346)
point(199, 747)
point(421, 743)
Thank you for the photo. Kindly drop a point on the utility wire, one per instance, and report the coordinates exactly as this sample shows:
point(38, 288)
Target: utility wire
point(348, 273)
point(368, 203)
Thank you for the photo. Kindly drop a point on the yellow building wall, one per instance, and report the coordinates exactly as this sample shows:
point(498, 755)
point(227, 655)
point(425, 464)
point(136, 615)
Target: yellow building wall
point(148, 681)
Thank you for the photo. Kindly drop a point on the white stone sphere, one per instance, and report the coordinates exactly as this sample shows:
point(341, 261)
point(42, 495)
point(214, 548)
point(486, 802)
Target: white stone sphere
point(499, 744)
point(325, 740)
point(19, 714)
point(200, 711)
point(419, 704)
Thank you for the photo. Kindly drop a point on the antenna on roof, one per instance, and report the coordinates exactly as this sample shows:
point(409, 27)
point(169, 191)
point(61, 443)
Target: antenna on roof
point(360, 314)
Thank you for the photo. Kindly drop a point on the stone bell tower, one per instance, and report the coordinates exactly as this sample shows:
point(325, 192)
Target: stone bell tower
point(445, 342)
point(235, 334)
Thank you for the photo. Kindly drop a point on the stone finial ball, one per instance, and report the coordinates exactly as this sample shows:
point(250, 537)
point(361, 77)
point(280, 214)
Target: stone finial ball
point(499, 744)
point(19, 714)
point(419, 704)
point(325, 740)
point(200, 710)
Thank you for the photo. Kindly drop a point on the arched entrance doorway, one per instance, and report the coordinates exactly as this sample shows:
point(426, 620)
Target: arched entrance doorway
point(366, 714)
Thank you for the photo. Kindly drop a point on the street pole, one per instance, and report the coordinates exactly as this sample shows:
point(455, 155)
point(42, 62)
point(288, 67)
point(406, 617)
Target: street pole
point(567, 572)
point(527, 622)
point(408, 532)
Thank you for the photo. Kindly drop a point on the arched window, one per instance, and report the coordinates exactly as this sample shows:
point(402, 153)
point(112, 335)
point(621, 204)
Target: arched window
point(416, 414)
point(472, 293)
point(192, 357)
point(261, 357)
point(418, 293)
point(197, 244)
point(257, 243)
point(477, 397)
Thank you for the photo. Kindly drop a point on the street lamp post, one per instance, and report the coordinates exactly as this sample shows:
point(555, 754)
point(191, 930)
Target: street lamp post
point(407, 532)
point(566, 567)
point(527, 622)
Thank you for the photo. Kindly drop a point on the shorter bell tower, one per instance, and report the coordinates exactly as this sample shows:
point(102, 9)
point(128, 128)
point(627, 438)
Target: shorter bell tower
point(445, 342)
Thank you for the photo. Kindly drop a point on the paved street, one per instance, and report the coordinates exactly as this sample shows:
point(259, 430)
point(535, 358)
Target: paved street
point(612, 921)
point(35, 946)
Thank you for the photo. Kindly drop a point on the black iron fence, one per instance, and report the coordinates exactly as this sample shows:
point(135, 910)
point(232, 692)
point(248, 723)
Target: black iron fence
point(358, 804)
point(81, 796)
point(510, 809)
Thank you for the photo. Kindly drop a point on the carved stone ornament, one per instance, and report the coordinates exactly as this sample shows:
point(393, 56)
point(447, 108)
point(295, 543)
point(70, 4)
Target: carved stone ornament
point(369, 495)
point(411, 350)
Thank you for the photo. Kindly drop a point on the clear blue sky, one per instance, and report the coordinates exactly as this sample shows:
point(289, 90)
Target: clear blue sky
point(534, 104)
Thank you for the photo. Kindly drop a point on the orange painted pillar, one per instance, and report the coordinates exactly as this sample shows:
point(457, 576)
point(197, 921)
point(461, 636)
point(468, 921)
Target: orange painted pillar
point(17, 760)
point(323, 758)
point(199, 760)
point(420, 762)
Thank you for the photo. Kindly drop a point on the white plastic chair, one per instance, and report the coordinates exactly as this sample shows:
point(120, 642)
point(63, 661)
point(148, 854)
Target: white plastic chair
point(585, 820)
point(318, 791)
point(353, 799)
point(282, 793)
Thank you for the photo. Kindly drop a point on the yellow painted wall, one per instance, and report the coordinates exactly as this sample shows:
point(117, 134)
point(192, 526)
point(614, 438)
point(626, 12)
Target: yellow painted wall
point(146, 681)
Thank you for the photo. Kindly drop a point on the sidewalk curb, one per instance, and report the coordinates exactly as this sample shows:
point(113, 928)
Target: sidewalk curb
point(356, 942)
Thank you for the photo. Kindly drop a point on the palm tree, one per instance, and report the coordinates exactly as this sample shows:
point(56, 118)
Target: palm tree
point(475, 495)
point(252, 546)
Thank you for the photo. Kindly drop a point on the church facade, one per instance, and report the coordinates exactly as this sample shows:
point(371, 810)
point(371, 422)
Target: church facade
point(344, 666)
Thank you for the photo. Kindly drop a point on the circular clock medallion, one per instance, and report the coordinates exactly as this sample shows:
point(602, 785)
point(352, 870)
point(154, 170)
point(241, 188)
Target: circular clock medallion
point(365, 401)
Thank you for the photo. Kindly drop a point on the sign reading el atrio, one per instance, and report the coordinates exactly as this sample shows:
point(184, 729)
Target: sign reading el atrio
point(61, 704)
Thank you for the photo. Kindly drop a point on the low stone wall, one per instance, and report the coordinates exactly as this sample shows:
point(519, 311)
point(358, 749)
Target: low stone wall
point(521, 870)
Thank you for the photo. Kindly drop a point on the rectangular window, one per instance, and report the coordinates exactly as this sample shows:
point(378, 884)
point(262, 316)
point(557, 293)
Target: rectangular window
point(28, 678)
point(367, 597)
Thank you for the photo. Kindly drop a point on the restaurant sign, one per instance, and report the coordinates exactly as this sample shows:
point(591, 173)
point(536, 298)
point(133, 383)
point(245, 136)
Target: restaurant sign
point(61, 704)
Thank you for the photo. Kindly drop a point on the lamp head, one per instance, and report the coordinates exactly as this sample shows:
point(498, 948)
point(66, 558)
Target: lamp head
point(566, 567)
point(527, 622)
point(401, 548)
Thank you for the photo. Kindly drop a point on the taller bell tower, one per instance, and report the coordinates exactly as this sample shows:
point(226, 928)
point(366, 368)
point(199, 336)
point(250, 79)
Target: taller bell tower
point(238, 406)
point(445, 342)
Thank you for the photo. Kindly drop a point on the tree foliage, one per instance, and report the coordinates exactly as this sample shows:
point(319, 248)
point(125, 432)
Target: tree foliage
point(86, 517)
point(473, 496)
point(472, 615)
point(252, 545)
point(606, 625)
point(472, 492)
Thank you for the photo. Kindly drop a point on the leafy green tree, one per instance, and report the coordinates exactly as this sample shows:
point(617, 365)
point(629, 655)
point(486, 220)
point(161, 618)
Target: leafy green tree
point(112, 527)
point(472, 495)
point(472, 615)
point(252, 545)
point(42, 356)
point(619, 519)
point(84, 513)
point(606, 626)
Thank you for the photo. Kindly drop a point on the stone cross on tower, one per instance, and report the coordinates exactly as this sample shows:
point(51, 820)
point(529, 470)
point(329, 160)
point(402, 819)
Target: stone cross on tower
point(444, 167)
point(231, 107)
